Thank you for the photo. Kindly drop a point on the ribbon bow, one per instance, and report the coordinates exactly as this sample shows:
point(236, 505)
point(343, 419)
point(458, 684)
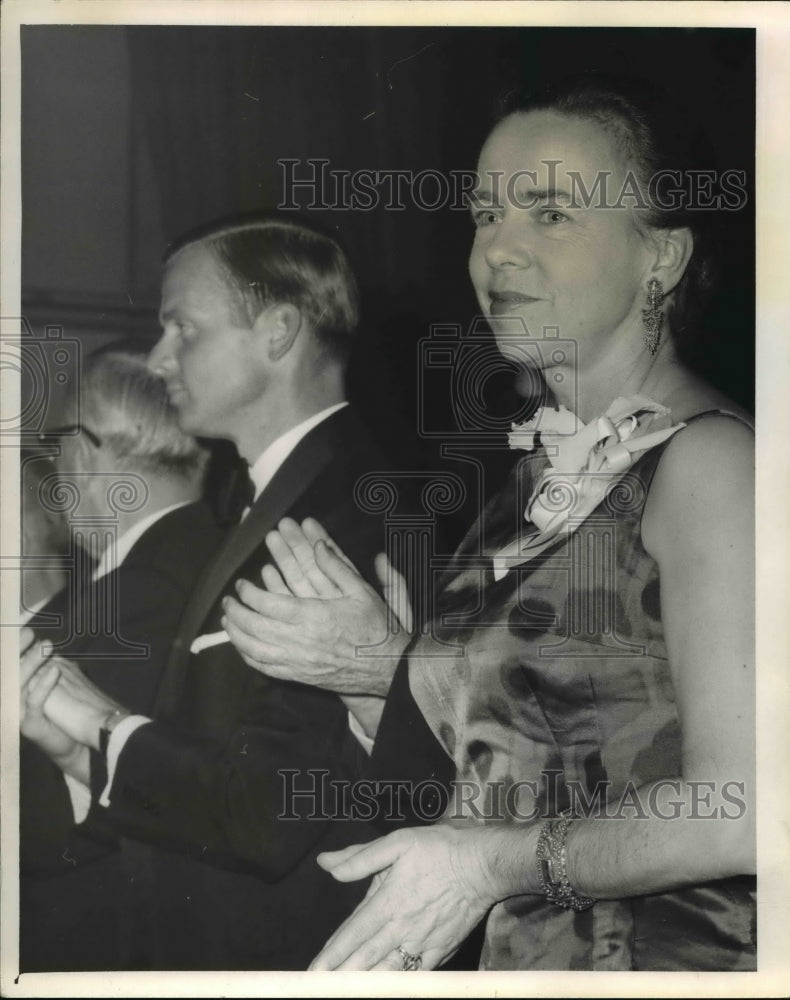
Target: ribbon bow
point(586, 461)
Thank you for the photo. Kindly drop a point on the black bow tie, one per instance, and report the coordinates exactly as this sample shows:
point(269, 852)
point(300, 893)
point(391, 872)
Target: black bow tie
point(237, 496)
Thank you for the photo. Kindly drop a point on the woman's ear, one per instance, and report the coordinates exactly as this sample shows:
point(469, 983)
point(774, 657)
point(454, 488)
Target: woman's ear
point(673, 252)
point(280, 323)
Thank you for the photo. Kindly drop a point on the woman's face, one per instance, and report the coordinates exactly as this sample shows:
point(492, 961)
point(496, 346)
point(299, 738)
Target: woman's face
point(575, 273)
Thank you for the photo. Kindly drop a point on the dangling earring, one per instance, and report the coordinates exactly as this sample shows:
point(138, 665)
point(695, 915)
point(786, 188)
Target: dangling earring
point(652, 316)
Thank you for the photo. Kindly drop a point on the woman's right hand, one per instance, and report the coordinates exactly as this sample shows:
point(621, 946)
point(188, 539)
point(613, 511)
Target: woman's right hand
point(319, 622)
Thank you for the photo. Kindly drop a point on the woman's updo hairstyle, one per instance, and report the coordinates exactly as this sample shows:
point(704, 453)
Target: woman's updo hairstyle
point(654, 134)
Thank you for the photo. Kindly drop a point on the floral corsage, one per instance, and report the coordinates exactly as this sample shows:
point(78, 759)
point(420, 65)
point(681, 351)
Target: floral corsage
point(586, 461)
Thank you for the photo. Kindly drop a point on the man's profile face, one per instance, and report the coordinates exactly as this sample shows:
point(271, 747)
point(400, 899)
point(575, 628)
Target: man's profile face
point(208, 356)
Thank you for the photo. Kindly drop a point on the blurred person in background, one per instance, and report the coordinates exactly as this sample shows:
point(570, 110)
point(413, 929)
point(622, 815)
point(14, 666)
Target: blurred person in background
point(132, 481)
point(45, 535)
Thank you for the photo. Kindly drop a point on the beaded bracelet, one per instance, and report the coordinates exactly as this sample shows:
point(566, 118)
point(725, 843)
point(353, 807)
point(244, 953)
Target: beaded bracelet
point(551, 858)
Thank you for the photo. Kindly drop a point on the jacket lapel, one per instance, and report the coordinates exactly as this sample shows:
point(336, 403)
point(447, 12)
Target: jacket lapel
point(302, 467)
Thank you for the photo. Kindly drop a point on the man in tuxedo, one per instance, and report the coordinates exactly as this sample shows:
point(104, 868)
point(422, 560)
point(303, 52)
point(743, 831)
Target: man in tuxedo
point(258, 320)
point(139, 536)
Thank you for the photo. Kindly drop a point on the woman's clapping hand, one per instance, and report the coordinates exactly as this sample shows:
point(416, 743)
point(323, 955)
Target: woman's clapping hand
point(432, 886)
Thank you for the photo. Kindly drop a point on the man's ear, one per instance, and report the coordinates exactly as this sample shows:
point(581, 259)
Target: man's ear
point(673, 252)
point(280, 324)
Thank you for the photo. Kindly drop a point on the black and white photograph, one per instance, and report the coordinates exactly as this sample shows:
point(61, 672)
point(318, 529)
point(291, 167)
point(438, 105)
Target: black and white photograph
point(394, 527)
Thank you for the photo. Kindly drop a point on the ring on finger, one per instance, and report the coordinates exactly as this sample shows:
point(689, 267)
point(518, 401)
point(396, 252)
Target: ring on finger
point(411, 963)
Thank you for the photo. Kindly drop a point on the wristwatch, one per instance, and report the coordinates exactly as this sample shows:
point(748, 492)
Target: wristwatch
point(108, 726)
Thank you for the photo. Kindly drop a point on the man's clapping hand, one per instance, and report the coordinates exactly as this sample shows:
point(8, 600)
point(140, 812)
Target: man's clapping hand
point(318, 622)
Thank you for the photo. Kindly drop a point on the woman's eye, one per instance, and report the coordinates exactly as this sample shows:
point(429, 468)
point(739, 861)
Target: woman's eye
point(484, 217)
point(552, 217)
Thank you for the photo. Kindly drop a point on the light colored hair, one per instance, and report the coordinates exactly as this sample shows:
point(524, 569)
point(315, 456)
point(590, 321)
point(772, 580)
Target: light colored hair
point(126, 406)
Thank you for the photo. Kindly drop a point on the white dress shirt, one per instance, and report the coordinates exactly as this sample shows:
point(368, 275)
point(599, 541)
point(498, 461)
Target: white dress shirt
point(268, 462)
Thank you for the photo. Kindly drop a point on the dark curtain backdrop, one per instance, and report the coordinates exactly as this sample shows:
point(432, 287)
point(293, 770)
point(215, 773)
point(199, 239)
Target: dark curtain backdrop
point(220, 106)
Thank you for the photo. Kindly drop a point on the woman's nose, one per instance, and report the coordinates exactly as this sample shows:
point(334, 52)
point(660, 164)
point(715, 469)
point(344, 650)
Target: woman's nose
point(508, 245)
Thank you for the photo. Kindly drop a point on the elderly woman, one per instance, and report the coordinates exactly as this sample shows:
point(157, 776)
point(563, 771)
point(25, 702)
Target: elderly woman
point(590, 670)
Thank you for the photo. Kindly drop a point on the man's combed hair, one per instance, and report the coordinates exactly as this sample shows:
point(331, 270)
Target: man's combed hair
point(271, 258)
point(127, 406)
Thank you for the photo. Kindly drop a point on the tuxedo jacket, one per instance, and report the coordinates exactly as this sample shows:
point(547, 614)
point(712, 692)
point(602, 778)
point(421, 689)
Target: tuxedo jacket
point(223, 854)
point(119, 630)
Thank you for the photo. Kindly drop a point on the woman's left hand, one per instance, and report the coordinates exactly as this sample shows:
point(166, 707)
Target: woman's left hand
point(432, 888)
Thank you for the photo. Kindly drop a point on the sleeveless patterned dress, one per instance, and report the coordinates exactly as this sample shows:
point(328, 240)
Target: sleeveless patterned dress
point(552, 686)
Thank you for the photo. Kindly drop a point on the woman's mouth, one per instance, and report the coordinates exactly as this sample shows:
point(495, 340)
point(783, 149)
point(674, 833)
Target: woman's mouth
point(505, 302)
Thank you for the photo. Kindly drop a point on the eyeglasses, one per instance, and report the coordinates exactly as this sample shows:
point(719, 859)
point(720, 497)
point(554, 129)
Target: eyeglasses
point(49, 436)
